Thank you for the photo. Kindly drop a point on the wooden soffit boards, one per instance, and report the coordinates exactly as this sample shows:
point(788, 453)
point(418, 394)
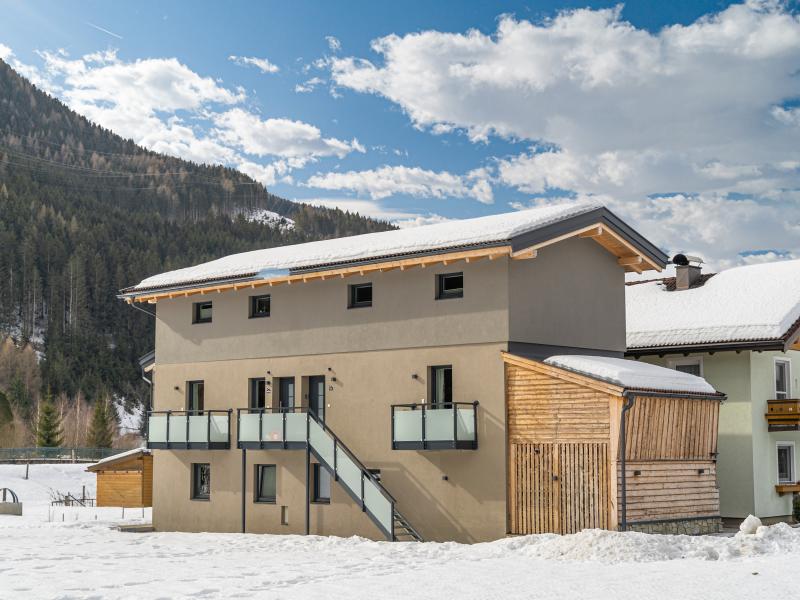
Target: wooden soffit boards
point(562, 374)
point(490, 253)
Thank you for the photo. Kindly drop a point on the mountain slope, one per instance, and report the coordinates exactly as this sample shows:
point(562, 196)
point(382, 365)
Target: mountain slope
point(84, 213)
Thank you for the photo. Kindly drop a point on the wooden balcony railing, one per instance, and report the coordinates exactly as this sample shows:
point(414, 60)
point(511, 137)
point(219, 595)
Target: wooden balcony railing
point(783, 415)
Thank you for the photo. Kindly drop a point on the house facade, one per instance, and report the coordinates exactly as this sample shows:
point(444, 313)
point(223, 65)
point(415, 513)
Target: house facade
point(297, 388)
point(739, 330)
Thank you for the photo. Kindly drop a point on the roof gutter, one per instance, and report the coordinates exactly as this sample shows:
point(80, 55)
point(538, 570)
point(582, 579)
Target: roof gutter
point(759, 345)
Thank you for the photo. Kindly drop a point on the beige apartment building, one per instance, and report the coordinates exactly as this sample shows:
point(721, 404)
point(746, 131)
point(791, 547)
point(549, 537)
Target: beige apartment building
point(357, 386)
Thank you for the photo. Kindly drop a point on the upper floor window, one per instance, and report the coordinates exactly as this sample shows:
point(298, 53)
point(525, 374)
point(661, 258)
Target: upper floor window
point(359, 295)
point(441, 391)
point(786, 462)
point(201, 481)
point(195, 395)
point(782, 379)
point(201, 312)
point(449, 285)
point(258, 392)
point(259, 306)
point(692, 366)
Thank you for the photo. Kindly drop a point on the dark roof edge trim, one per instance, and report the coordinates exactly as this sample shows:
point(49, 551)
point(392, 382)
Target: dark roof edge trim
point(764, 345)
point(601, 215)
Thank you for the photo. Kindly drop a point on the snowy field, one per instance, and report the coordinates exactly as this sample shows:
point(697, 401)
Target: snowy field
point(87, 558)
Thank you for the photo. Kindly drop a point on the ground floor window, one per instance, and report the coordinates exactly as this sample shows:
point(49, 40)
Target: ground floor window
point(322, 484)
point(201, 481)
point(786, 462)
point(266, 483)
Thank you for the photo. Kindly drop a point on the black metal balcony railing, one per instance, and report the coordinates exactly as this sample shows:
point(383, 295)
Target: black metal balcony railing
point(439, 427)
point(271, 428)
point(189, 429)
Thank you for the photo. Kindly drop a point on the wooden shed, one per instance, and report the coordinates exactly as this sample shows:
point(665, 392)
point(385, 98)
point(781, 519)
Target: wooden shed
point(596, 442)
point(125, 479)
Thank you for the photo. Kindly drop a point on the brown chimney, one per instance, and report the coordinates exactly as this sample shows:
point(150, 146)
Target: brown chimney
point(687, 270)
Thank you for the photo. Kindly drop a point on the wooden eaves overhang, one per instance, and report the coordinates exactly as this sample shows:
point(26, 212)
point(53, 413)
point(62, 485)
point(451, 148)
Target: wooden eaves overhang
point(634, 253)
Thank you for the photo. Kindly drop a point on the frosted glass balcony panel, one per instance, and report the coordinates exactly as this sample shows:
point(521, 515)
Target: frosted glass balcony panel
point(408, 425)
point(157, 429)
point(439, 425)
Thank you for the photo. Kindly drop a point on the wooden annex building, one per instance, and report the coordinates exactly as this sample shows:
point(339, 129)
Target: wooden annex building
point(125, 479)
point(596, 442)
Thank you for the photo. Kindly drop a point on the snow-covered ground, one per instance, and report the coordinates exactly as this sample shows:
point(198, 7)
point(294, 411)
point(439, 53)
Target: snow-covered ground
point(89, 559)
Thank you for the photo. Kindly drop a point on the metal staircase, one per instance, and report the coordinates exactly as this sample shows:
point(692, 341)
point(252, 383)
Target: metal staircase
point(295, 429)
point(403, 531)
point(358, 481)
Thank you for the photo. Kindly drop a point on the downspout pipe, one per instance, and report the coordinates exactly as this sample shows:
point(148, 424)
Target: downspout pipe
point(629, 398)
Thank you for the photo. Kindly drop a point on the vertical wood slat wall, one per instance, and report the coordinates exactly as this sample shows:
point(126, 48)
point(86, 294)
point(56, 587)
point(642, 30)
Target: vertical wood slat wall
point(559, 464)
point(558, 488)
point(560, 425)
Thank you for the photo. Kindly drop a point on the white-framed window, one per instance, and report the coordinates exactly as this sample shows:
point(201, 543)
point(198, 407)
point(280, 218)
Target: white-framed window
point(783, 379)
point(692, 366)
point(786, 466)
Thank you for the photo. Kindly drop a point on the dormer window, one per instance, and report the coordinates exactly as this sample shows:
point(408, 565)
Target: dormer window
point(201, 312)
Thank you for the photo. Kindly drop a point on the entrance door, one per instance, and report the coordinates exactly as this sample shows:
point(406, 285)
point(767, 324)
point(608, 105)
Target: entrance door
point(558, 488)
point(316, 396)
point(286, 392)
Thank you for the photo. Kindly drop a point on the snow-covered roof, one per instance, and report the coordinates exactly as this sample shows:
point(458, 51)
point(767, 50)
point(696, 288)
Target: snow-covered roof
point(115, 457)
point(632, 374)
point(751, 303)
point(440, 236)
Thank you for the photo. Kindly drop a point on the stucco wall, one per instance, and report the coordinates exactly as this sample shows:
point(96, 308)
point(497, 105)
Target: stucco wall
point(469, 505)
point(747, 467)
point(313, 318)
point(572, 294)
point(768, 503)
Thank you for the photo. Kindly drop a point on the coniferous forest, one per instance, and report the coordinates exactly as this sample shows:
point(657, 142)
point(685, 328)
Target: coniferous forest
point(84, 213)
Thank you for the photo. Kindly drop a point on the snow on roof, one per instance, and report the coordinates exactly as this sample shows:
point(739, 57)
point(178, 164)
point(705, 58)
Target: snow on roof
point(755, 302)
point(632, 374)
point(450, 234)
point(121, 455)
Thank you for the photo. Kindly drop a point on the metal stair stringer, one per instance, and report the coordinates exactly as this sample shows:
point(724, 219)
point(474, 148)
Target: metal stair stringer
point(358, 481)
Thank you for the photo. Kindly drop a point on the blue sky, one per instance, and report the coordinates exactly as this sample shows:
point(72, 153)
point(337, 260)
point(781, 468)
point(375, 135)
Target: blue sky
point(682, 116)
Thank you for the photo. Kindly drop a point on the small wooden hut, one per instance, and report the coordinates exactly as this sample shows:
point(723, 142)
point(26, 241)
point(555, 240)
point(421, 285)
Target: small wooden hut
point(596, 442)
point(125, 479)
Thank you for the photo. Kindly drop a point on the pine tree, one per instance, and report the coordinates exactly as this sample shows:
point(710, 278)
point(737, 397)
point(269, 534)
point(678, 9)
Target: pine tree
point(48, 427)
point(101, 433)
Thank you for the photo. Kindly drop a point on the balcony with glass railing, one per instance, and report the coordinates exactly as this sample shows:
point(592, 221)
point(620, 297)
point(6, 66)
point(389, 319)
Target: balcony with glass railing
point(272, 428)
point(189, 430)
point(452, 426)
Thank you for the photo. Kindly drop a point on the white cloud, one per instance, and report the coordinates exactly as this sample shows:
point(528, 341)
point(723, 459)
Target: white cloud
point(5, 52)
point(308, 85)
point(610, 109)
point(376, 210)
point(163, 105)
point(333, 43)
point(263, 65)
point(278, 137)
point(387, 181)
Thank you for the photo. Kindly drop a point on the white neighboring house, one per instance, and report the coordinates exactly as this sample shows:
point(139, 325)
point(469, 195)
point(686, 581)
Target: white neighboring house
point(739, 330)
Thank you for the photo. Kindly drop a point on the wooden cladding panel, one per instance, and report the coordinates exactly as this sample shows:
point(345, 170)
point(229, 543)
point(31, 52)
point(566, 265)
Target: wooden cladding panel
point(147, 480)
point(558, 488)
point(120, 488)
point(542, 408)
point(671, 428)
point(670, 490)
